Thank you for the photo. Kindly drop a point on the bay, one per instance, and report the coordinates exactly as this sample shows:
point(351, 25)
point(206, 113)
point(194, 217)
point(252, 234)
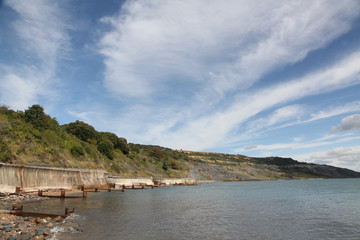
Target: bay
point(296, 209)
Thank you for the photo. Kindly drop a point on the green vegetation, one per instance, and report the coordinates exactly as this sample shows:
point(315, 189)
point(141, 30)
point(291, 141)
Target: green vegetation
point(34, 138)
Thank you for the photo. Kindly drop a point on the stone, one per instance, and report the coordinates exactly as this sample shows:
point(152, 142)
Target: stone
point(58, 219)
point(50, 224)
point(24, 237)
point(22, 225)
point(39, 231)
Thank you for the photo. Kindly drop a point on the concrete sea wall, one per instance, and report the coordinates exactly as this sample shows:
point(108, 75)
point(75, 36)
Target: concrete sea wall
point(32, 178)
point(120, 181)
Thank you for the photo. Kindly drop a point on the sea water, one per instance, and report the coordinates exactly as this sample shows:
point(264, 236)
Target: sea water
point(296, 209)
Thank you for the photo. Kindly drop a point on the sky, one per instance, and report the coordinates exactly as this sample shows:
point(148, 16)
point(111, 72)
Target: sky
point(257, 78)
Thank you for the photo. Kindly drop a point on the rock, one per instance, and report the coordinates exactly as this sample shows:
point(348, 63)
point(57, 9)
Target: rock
point(24, 237)
point(46, 234)
point(50, 224)
point(48, 219)
point(7, 229)
point(39, 231)
point(39, 237)
point(40, 220)
point(22, 225)
point(58, 219)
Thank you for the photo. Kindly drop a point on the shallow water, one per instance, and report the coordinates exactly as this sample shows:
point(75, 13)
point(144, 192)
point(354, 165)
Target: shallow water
point(299, 209)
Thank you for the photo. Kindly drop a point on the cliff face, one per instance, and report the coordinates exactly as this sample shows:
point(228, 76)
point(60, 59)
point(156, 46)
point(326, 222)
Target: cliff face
point(30, 178)
point(322, 170)
point(213, 166)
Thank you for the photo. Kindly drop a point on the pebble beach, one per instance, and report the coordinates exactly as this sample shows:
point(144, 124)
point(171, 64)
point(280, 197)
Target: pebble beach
point(17, 227)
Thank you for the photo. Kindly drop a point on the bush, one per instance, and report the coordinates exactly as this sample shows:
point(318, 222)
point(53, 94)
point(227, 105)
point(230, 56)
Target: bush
point(36, 116)
point(157, 153)
point(106, 148)
point(118, 143)
point(5, 154)
point(116, 168)
point(82, 131)
point(77, 151)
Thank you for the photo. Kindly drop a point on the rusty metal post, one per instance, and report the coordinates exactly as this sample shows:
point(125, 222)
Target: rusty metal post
point(84, 194)
point(62, 193)
point(40, 193)
point(96, 190)
point(133, 186)
point(142, 187)
point(67, 212)
point(82, 188)
point(16, 208)
point(17, 190)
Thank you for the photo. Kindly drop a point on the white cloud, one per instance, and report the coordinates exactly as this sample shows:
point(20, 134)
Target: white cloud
point(215, 49)
point(219, 46)
point(42, 40)
point(211, 130)
point(303, 145)
point(284, 117)
point(334, 111)
point(346, 157)
point(280, 115)
point(348, 123)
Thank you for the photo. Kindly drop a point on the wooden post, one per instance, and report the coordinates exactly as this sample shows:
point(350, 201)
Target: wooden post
point(84, 194)
point(17, 190)
point(62, 193)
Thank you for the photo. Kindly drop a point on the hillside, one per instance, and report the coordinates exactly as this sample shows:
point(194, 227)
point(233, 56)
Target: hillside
point(34, 138)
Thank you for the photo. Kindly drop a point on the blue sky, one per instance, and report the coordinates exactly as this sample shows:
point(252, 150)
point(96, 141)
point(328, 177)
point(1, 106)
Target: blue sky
point(269, 78)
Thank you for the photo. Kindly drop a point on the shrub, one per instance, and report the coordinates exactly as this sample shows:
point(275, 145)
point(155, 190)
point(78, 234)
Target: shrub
point(116, 168)
point(106, 148)
point(77, 151)
point(82, 131)
point(157, 153)
point(5, 154)
point(36, 116)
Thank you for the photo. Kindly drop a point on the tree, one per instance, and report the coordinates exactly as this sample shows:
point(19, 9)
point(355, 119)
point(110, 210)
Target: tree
point(82, 131)
point(157, 153)
point(106, 148)
point(123, 145)
point(37, 117)
point(118, 143)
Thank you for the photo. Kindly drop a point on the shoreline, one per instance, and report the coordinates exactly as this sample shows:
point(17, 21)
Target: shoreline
point(18, 227)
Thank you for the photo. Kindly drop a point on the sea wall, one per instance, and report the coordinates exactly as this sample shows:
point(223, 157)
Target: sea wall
point(32, 178)
point(120, 181)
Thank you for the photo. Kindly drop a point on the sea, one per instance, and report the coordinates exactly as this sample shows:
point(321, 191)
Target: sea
point(284, 209)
